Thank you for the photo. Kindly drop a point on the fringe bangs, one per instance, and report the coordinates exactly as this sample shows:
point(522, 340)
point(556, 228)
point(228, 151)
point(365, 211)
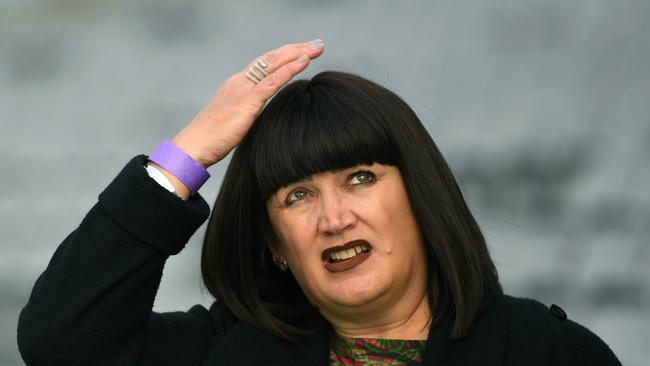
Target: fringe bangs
point(311, 130)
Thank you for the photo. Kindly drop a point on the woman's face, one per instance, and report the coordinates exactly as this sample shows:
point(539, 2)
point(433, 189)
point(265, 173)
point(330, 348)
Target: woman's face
point(350, 237)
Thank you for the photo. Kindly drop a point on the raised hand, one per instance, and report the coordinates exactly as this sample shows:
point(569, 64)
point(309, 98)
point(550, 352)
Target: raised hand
point(223, 122)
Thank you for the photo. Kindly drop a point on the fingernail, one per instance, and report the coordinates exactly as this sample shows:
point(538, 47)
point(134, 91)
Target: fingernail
point(316, 44)
point(303, 58)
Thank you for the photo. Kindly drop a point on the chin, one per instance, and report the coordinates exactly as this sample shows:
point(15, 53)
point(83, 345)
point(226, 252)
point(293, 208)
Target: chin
point(354, 301)
point(350, 294)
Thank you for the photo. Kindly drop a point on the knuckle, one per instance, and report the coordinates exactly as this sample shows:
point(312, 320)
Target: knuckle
point(271, 80)
point(271, 58)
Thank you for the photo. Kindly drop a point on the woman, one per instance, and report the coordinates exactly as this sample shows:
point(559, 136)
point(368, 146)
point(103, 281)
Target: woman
point(339, 236)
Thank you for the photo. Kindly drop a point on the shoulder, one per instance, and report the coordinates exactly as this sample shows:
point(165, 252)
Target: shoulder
point(222, 318)
point(536, 328)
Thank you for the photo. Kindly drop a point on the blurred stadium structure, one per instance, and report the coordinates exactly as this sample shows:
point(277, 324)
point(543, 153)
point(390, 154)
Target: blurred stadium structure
point(542, 109)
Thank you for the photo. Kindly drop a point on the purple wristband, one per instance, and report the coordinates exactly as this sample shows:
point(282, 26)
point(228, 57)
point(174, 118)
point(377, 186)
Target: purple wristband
point(180, 165)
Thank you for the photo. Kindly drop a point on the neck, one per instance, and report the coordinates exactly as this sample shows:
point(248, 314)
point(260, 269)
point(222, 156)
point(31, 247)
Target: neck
point(402, 320)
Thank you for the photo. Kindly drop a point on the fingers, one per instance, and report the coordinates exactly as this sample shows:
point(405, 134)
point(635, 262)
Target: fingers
point(272, 83)
point(267, 74)
point(264, 66)
point(279, 57)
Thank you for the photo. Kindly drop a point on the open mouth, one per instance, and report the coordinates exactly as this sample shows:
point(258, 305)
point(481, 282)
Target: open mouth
point(346, 254)
point(344, 257)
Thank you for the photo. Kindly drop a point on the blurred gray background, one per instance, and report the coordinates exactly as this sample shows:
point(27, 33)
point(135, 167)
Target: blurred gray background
point(542, 109)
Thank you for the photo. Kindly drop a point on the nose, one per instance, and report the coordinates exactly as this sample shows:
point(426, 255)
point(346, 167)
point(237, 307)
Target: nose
point(335, 215)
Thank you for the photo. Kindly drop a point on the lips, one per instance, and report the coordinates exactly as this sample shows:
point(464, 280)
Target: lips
point(343, 257)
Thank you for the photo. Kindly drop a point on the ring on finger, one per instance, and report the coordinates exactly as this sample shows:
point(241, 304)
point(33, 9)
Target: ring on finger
point(257, 72)
point(261, 66)
point(252, 77)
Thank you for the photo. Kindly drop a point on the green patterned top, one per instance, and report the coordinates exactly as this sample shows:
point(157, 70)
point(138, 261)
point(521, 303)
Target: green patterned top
point(372, 351)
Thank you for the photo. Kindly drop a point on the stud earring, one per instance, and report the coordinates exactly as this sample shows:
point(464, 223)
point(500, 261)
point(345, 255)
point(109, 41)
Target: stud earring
point(281, 263)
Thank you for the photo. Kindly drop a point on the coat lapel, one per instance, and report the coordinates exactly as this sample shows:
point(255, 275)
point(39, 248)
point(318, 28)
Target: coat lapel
point(246, 345)
point(485, 344)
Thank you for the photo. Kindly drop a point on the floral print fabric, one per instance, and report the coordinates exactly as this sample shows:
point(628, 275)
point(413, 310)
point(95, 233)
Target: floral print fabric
point(371, 351)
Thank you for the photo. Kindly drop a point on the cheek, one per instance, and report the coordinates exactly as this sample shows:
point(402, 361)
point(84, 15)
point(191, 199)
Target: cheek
point(395, 220)
point(394, 210)
point(293, 234)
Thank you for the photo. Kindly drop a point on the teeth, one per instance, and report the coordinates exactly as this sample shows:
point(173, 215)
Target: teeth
point(348, 253)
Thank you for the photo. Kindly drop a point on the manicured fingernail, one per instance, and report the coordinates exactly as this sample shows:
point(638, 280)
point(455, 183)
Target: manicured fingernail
point(316, 44)
point(303, 58)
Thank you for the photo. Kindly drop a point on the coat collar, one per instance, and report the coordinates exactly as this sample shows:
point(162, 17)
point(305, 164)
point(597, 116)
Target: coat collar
point(245, 344)
point(484, 345)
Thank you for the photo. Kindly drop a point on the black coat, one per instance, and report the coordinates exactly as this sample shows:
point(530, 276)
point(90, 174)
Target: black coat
point(92, 305)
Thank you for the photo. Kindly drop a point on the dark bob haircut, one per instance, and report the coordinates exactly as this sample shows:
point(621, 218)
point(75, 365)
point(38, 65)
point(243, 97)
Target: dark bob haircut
point(338, 120)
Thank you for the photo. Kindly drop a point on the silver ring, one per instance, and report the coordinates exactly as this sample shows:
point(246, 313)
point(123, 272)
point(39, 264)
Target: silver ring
point(257, 72)
point(260, 66)
point(251, 78)
point(250, 74)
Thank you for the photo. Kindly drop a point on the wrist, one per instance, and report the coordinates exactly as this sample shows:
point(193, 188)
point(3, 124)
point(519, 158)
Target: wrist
point(192, 150)
point(178, 164)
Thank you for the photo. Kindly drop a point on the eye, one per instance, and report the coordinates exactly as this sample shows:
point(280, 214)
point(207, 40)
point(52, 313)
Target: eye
point(295, 196)
point(362, 177)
